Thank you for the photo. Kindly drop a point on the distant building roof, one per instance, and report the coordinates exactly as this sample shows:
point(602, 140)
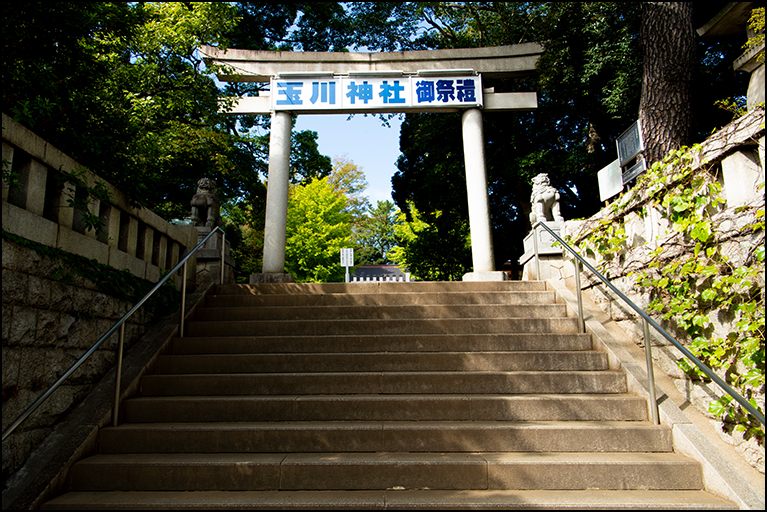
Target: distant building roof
point(377, 272)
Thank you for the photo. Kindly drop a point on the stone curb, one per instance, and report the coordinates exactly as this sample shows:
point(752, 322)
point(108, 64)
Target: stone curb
point(718, 475)
point(45, 472)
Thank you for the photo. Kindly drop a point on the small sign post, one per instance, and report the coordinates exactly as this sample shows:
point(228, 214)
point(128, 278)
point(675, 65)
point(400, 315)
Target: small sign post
point(347, 260)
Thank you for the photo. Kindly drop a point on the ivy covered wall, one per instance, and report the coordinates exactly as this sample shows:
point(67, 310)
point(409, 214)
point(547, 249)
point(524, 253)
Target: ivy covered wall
point(687, 245)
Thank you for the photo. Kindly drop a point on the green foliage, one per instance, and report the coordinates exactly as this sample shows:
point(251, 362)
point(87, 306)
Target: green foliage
point(378, 235)
point(118, 87)
point(737, 106)
point(306, 162)
point(317, 229)
point(245, 233)
point(756, 24)
point(10, 178)
point(691, 278)
point(348, 178)
point(432, 248)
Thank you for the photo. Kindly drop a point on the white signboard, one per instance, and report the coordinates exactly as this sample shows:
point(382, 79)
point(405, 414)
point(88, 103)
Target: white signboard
point(347, 257)
point(610, 181)
point(361, 93)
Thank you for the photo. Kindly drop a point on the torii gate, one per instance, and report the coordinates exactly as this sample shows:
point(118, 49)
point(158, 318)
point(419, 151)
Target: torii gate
point(348, 83)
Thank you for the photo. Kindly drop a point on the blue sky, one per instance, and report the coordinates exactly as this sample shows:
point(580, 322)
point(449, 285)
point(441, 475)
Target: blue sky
point(364, 141)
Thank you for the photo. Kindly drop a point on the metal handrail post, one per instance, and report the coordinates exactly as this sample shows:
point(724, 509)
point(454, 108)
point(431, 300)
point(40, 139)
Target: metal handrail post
point(223, 247)
point(650, 373)
point(116, 408)
point(183, 303)
point(689, 355)
point(537, 256)
point(581, 323)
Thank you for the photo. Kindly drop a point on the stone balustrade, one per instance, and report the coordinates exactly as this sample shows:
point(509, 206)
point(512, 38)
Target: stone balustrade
point(37, 209)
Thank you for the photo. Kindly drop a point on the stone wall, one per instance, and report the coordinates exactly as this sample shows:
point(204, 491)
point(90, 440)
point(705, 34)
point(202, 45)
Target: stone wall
point(737, 153)
point(52, 312)
point(48, 323)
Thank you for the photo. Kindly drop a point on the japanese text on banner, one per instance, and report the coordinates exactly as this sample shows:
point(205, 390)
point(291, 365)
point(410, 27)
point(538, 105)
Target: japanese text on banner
point(371, 93)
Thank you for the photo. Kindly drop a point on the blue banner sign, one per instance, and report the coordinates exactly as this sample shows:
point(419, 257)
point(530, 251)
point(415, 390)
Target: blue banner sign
point(363, 93)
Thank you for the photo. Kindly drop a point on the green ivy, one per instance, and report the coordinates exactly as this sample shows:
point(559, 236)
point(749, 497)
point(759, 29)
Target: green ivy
point(690, 279)
point(121, 284)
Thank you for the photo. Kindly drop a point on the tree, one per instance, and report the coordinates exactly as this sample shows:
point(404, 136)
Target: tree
point(377, 235)
point(121, 88)
point(348, 178)
point(245, 234)
point(317, 229)
point(589, 84)
point(668, 60)
point(435, 251)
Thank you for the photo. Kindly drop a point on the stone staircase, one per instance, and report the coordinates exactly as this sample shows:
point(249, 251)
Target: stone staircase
point(385, 395)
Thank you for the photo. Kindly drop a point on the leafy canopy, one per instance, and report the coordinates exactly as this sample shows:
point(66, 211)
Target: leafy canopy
point(317, 229)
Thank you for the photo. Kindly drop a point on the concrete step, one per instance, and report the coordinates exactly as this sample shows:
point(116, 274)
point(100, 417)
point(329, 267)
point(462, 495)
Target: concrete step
point(496, 499)
point(463, 395)
point(384, 362)
point(356, 288)
point(499, 325)
point(355, 312)
point(380, 343)
point(379, 299)
point(360, 471)
point(386, 408)
point(309, 383)
point(385, 436)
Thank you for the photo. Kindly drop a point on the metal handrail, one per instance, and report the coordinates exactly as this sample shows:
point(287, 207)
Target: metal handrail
point(121, 324)
point(647, 322)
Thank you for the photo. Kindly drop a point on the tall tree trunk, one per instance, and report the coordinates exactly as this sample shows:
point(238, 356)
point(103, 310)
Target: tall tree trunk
point(668, 59)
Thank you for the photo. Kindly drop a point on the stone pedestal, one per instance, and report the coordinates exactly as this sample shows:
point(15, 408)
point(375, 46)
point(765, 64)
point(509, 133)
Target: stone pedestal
point(486, 276)
point(269, 278)
point(209, 257)
point(549, 254)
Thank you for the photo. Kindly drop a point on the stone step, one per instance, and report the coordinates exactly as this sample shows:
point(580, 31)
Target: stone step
point(385, 436)
point(354, 312)
point(496, 499)
point(360, 471)
point(384, 362)
point(367, 288)
point(390, 327)
point(379, 299)
point(381, 343)
point(386, 408)
point(309, 383)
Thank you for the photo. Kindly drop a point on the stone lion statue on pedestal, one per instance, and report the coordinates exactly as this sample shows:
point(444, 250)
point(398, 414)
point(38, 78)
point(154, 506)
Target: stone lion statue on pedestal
point(205, 204)
point(544, 201)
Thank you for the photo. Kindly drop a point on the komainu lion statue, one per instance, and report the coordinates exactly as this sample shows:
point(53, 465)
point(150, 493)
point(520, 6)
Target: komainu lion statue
point(205, 204)
point(544, 201)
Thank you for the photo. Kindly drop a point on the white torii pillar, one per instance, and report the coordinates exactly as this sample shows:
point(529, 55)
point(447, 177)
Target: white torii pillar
point(482, 255)
point(277, 185)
